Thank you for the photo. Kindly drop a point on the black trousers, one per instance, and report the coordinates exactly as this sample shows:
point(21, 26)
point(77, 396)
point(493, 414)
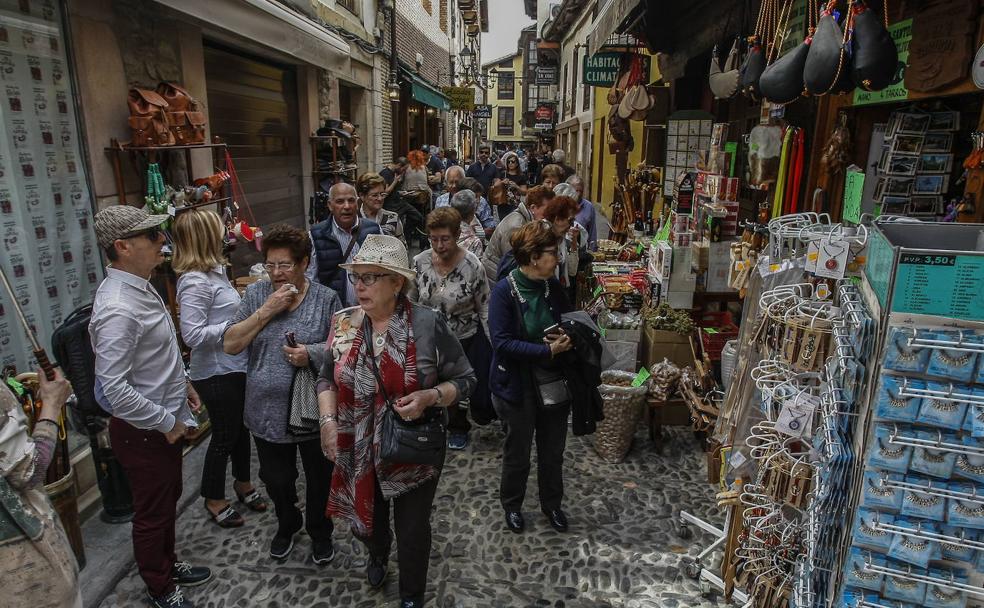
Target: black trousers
point(278, 470)
point(223, 397)
point(411, 519)
point(521, 422)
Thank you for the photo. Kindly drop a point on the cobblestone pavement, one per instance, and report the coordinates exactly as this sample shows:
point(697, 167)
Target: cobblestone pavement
point(620, 552)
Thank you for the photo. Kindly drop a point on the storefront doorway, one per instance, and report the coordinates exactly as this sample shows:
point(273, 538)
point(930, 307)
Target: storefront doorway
point(252, 106)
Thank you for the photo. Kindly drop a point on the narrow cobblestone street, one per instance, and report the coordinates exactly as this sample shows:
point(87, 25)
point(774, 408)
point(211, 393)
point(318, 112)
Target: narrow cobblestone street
point(621, 550)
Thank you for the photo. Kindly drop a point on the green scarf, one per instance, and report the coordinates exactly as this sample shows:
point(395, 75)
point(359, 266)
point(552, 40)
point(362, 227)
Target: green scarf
point(537, 316)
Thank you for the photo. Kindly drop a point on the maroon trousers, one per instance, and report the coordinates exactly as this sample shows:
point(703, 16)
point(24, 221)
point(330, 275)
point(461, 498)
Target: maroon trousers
point(153, 468)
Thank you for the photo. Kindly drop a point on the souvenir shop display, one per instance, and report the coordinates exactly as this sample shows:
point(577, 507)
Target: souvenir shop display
point(916, 163)
point(623, 397)
point(856, 398)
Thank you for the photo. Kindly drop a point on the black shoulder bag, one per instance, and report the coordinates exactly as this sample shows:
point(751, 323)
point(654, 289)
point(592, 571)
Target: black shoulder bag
point(418, 441)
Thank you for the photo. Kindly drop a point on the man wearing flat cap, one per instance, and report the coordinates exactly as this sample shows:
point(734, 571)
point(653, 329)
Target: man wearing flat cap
point(140, 380)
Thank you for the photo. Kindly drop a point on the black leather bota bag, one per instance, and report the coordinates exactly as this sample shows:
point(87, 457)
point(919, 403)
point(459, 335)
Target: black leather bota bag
point(751, 71)
point(876, 59)
point(828, 62)
point(782, 82)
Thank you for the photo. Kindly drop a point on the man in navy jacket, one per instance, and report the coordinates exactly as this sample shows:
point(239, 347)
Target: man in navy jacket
point(337, 239)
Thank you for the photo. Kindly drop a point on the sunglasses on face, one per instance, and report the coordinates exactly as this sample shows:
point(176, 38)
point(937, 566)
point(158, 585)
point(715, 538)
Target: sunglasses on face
point(368, 278)
point(152, 234)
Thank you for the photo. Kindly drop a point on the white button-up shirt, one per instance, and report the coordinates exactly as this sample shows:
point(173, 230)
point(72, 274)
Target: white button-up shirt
point(139, 373)
point(207, 301)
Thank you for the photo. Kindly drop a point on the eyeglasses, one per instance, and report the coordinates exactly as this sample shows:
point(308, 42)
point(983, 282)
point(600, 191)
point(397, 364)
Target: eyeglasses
point(376, 195)
point(437, 240)
point(368, 278)
point(285, 266)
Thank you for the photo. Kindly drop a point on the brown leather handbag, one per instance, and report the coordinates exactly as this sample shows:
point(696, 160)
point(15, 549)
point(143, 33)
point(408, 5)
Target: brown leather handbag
point(148, 119)
point(186, 122)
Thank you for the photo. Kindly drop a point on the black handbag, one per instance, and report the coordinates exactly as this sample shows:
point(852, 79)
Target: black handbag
point(401, 441)
point(552, 391)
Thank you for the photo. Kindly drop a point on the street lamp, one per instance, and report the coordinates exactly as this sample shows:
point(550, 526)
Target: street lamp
point(393, 88)
point(467, 57)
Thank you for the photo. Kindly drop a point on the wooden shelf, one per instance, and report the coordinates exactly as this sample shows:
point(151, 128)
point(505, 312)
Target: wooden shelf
point(120, 147)
point(214, 201)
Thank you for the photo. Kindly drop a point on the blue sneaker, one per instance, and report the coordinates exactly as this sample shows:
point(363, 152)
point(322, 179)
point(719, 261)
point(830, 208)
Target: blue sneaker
point(458, 441)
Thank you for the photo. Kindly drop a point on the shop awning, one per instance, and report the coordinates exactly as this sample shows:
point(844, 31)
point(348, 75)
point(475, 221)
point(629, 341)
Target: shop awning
point(268, 23)
point(615, 16)
point(424, 92)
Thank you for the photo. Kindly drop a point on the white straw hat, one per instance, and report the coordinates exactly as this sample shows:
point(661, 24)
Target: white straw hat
point(385, 251)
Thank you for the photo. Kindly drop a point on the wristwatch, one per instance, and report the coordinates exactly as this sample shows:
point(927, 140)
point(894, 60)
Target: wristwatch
point(440, 397)
point(325, 419)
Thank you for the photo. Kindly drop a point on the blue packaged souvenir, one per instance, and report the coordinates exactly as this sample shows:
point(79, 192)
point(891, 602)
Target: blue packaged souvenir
point(936, 463)
point(975, 414)
point(905, 589)
point(868, 535)
point(876, 495)
point(924, 503)
point(902, 357)
point(957, 552)
point(857, 575)
point(970, 466)
point(942, 596)
point(894, 407)
point(912, 550)
point(943, 411)
point(956, 365)
point(965, 512)
point(887, 455)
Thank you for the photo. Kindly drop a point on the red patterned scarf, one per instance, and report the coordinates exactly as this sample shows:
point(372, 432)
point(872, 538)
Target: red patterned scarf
point(360, 408)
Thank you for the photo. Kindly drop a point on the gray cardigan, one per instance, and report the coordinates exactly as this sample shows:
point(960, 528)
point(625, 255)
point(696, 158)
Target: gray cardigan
point(499, 241)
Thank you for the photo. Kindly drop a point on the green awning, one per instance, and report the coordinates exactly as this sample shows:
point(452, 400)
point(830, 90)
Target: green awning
point(422, 91)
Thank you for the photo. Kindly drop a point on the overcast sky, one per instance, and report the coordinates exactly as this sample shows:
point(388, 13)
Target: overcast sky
point(506, 19)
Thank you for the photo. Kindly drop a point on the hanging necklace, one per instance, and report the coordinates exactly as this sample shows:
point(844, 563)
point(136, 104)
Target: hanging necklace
point(832, 263)
point(951, 361)
point(921, 501)
point(964, 464)
point(905, 355)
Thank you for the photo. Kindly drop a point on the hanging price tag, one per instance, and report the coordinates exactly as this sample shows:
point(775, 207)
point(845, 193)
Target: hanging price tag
point(170, 210)
point(641, 377)
point(604, 333)
point(639, 249)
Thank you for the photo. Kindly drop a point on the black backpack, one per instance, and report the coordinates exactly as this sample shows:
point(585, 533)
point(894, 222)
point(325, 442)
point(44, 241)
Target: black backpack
point(72, 348)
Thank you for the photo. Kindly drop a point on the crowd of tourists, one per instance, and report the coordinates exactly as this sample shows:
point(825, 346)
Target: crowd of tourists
point(362, 359)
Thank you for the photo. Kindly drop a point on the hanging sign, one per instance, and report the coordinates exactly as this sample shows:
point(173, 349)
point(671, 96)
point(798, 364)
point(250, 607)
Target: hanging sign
point(901, 33)
point(543, 117)
point(853, 189)
point(461, 98)
point(482, 111)
point(546, 75)
point(601, 69)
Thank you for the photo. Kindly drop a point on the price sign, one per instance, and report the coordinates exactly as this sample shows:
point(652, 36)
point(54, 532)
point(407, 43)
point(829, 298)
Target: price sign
point(641, 377)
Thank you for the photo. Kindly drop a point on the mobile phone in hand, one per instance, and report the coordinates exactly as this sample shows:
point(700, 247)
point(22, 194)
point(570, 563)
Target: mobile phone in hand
point(554, 330)
point(291, 339)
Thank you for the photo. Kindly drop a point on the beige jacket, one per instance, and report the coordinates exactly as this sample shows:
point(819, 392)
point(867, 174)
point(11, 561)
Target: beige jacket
point(39, 572)
point(499, 241)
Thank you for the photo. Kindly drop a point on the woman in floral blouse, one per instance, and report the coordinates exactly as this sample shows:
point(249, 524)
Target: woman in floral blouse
point(452, 281)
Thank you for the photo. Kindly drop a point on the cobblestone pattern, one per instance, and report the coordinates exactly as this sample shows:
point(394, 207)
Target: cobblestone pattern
point(621, 551)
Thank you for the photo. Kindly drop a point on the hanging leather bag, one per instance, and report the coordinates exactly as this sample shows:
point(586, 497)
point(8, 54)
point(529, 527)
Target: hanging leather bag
point(751, 71)
point(828, 63)
point(148, 119)
point(782, 82)
point(724, 82)
point(875, 57)
point(186, 121)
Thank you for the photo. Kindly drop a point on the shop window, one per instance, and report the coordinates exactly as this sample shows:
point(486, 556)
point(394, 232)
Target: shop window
point(507, 85)
point(507, 121)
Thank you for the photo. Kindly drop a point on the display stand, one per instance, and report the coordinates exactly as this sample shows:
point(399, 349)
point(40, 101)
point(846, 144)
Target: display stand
point(696, 569)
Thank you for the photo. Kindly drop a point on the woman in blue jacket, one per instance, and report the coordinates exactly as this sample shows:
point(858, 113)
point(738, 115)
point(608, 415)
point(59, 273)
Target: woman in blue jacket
point(523, 305)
